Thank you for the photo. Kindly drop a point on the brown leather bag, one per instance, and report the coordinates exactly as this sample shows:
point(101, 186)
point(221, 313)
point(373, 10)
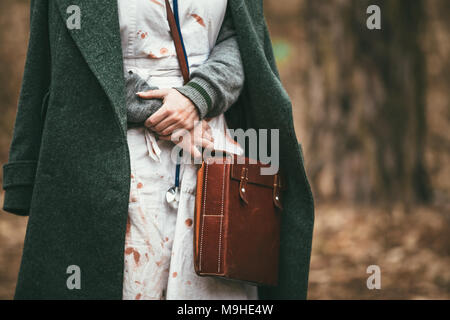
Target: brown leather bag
point(237, 211)
point(237, 221)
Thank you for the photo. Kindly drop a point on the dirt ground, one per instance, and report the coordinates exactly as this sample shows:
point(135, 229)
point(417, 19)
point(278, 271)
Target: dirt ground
point(412, 248)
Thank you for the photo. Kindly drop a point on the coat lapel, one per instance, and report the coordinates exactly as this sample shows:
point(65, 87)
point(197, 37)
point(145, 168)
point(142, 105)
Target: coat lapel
point(99, 42)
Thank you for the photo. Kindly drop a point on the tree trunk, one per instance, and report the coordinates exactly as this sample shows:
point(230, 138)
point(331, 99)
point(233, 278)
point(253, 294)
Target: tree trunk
point(364, 99)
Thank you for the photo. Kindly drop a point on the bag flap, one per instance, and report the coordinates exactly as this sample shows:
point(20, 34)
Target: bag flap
point(253, 174)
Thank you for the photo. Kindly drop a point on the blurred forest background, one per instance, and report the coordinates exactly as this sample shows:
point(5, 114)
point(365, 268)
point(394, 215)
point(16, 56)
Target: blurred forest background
point(372, 110)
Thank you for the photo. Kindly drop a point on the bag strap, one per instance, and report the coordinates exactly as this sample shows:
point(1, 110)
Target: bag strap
point(177, 39)
point(181, 56)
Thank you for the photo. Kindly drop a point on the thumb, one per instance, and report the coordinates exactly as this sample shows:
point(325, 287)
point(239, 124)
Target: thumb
point(153, 94)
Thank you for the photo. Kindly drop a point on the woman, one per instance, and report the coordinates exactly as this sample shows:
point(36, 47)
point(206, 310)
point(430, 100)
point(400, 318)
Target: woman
point(159, 253)
point(73, 153)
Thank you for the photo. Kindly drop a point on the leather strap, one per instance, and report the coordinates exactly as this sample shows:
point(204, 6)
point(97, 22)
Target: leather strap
point(175, 32)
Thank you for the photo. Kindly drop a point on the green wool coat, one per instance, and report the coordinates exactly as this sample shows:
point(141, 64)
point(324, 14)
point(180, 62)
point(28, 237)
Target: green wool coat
point(69, 165)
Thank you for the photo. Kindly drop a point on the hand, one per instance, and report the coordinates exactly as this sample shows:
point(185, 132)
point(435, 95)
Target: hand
point(199, 135)
point(177, 112)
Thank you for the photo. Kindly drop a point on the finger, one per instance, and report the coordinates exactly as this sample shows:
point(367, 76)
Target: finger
point(171, 128)
point(165, 138)
point(162, 128)
point(153, 94)
point(204, 133)
point(208, 136)
point(180, 134)
point(157, 117)
point(206, 125)
point(207, 144)
point(207, 131)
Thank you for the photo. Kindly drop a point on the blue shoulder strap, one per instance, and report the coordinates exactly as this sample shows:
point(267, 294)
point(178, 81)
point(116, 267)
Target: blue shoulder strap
point(177, 20)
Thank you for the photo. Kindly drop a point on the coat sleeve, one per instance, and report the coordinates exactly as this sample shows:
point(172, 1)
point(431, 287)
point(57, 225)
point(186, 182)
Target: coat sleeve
point(19, 172)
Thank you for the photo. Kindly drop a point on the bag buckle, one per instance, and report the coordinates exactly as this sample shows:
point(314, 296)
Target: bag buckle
point(243, 185)
point(277, 186)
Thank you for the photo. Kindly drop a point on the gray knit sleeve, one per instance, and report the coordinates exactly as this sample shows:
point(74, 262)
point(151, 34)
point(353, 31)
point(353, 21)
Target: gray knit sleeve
point(217, 84)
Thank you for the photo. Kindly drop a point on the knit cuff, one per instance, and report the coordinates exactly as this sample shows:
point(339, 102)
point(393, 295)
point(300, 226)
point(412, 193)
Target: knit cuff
point(201, 93)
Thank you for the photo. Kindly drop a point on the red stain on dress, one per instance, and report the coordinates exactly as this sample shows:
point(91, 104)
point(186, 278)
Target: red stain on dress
point(199, 19)
point(136, 256)
point(142, 34)
point(138, 296)
point(164, 51)
point(140, 185)
point(128, 226)
point(157, 2)
point(152, 56)
point(174, 274)
point(141, 212)
point(188, 222)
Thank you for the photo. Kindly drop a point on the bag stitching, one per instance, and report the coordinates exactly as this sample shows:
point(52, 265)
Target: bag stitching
point(221, 220)
point(203, 218)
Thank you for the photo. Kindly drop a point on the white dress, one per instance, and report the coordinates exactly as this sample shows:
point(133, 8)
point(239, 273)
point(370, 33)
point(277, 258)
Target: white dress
point(159, 240)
